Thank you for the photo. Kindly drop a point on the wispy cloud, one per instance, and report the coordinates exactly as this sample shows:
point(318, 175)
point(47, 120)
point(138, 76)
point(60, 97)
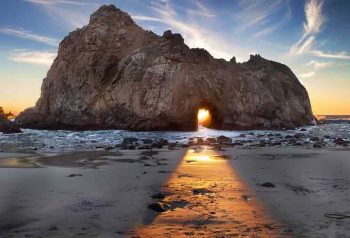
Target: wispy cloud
point(339, 55)
point(319, 65)
point(314, 17)
point(69, 16)
point(146, 18)
point(258, 18)
point(194, 35)
point(253, 13)
point(312, 26)
point(44, 58)
point(201, 10)
point(307, 75)
point(20, 33)
point(68, 13)
point(266, 30)
point(53, 2)
point(274, 25)
point(303, 45)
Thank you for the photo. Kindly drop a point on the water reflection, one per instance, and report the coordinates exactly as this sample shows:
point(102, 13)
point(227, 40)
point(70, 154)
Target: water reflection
point(205, 198)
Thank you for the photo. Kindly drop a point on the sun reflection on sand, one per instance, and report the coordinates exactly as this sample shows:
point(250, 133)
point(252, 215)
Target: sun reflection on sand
point(206, 198)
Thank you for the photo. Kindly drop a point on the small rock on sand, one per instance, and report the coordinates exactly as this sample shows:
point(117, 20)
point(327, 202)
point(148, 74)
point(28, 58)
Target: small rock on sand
point(129, 140)
point(53, 228)
point(74, 175)
point(267, 185)
point(145, 157)
point(319, 144)
point(157, 207)
point(210, 140)
point(314, 138)
point(197, 191)
point(163, 172)
point(147, 141)
point(224, 140)
point(340, 141)
point(158, 195)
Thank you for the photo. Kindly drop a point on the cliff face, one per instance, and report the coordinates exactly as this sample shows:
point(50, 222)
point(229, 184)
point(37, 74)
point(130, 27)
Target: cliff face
point(113, 74)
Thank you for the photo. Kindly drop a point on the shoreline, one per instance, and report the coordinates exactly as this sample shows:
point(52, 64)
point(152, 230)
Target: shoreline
point(37, 141)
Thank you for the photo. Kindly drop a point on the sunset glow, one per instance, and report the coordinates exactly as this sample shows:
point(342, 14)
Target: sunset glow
point(204, 117)
point(206, 184)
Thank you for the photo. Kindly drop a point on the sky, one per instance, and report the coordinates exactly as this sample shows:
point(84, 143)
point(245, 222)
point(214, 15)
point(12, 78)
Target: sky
point(310, 36)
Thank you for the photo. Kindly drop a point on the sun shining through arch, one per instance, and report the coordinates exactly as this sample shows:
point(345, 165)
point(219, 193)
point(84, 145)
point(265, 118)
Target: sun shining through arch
point(204, 117)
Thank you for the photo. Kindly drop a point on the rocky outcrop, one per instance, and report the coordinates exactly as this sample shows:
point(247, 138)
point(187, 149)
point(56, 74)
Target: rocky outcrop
point(113, 74)
point(6, 126)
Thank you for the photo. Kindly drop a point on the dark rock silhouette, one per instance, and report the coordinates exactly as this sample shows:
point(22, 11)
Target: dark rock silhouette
point(113, 74)
point(6, 126)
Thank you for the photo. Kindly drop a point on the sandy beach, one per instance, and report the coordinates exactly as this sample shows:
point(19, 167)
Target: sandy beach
point(174, 119)
point(312, 187)
point(199, 191)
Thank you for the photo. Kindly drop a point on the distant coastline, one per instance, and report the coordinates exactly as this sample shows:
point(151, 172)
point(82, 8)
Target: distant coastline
point(333, 118)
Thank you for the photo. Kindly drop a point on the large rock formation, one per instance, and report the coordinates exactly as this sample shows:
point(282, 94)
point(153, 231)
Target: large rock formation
point(6, 126)
point(113, 74)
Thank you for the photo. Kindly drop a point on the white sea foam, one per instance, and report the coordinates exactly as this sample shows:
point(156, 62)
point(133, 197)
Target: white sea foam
point(79, 140)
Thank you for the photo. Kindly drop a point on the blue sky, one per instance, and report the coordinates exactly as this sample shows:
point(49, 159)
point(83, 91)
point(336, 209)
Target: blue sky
point(311, 37)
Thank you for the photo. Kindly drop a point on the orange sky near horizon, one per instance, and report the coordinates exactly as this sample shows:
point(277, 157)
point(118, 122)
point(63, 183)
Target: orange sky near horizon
point(320, 105)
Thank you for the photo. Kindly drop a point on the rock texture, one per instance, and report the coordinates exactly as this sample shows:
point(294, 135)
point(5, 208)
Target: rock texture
point(6, 126)
point(113, 74)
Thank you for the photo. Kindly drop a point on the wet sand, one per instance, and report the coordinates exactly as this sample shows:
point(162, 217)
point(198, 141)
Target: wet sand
point(207, 199)
point(87, 199)
point(312, 193)
point(207, 193)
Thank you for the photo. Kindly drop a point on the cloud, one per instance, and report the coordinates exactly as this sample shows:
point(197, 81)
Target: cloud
point(146, 18)
point(303, 45)
point(68, 13)
point(312, 26)
point(260, 16)
point(256, 12)
point(266, 30)
point(69, 16)
point(339, 55)
point(44, 58)
point(274, 26)
point(20, 33)
point(307, 75)
point(201, 10)
point(53, 2)
point(194, 35)
point(320, 65)
point(314, 17)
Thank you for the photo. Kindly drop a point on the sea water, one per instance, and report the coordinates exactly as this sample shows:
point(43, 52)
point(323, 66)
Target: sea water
point(61, 140)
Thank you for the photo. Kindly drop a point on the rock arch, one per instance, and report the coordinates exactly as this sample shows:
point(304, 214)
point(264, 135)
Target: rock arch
point(113, 74)
point(215, 115)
